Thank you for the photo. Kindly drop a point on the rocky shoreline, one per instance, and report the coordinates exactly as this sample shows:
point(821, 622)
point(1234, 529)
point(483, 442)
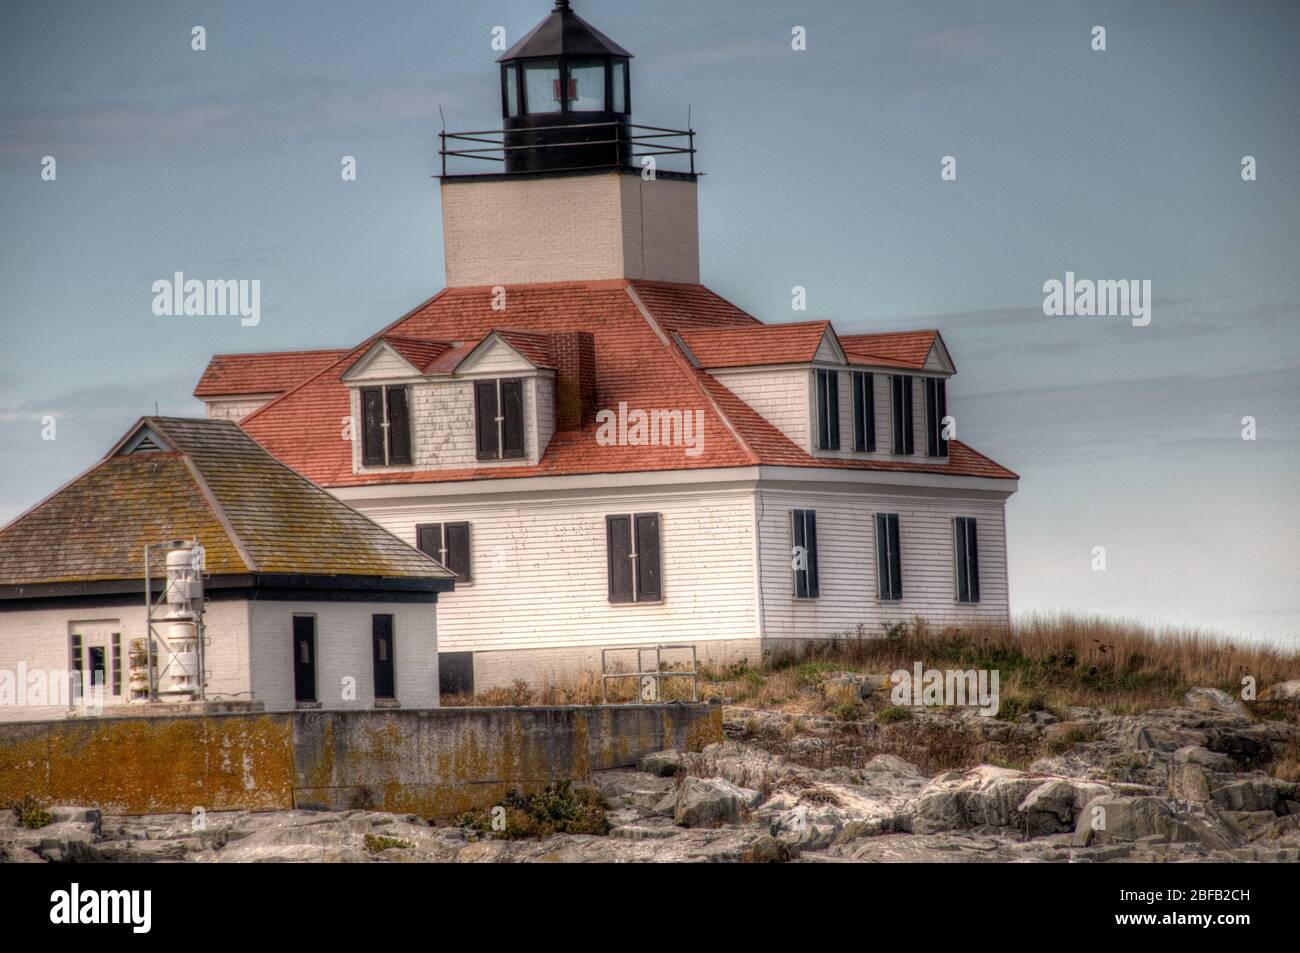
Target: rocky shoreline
point(1191, 783)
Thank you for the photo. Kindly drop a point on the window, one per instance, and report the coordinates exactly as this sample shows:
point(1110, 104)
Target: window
point(117, 663)
point(449, 544)
point(385, 427)
point(619, 83)
point(889, 560)
point(936, 408)
point(455, 673)
point(511, 83)
point(968, 559)
point(542, 87)
point(381, 640)
point(77, 664)
point(587, 86)
point(902, 401)
point(632, 553)
point(828, 410)
point(499, 419)
point(803, 532)
point(304, 658)
point(864, 412)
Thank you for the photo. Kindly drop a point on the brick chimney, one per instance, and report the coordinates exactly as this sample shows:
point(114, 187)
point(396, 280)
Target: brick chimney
point(575, 379)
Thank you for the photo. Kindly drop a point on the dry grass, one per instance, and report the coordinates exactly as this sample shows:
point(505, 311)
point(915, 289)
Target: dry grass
point(1044, 662)
point(585, 691)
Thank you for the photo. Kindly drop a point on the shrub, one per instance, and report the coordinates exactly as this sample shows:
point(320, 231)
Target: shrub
point(30, 812)
point(892, 714)
point(557, 809)
point(378, 843)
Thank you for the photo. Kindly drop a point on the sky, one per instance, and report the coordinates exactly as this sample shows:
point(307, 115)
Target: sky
point(822, 170)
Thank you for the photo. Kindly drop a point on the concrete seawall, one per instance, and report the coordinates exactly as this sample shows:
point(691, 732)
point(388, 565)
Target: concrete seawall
point(431, 762)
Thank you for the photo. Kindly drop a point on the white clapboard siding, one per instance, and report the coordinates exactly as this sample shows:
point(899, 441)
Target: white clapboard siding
point(234, 408)
point(540, 578)
point(781, 396)
point(846, 561)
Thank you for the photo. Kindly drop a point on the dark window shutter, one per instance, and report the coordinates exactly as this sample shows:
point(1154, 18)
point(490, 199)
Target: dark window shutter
point(618, 550)
point(804, 524)
point(941, 411)
point(902, 411)
point(882, 557)
point(399, 427)
point(968, 560)
point(372, 427)
point(648, 587)
point(458, 550)
point(864, 412)
point(889, 563)
point(428, 539)
point(895, 555)
point(512, 409)
point(485, 420)
point(959, 550)
point(797, 538)
point(810, 540)
point(833, 405)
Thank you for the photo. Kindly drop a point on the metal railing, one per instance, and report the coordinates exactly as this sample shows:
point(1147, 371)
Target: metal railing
point(491, 146)
point(649, 681)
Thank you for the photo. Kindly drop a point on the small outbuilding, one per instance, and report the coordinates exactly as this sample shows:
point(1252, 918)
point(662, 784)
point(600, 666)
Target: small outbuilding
point(257, 585)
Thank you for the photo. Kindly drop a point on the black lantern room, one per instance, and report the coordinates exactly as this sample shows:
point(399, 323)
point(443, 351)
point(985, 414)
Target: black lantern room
point(566, 97)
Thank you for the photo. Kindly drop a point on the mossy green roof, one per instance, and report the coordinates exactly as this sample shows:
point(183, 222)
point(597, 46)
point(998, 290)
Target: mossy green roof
point(205, 480)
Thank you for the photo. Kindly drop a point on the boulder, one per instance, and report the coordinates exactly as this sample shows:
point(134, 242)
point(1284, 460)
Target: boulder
point(982, 796)
point(1051, 807)
point(1215, 699)
point(1189, 782)
point(662, 764)
point(1114, 818)
point(708, 802)
point(1248, 794)
point(66, 813)
point(1202, 756)
point(1288, 691)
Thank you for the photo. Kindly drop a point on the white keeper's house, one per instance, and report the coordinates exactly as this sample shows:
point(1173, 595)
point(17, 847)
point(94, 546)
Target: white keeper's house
point(603, 450)
point(300, 601)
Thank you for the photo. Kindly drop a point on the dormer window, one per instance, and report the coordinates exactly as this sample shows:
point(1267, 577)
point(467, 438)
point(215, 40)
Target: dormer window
point(828, 410)
point(385, 427)
point(499, 419)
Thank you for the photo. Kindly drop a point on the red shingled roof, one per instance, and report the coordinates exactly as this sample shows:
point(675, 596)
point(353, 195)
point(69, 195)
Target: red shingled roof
point(753, 347)
point(275, 372)
point(632, 323)
point(895, 349)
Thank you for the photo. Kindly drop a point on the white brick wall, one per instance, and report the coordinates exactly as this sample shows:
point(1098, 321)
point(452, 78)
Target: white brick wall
point(344, 650)
point(569, 228)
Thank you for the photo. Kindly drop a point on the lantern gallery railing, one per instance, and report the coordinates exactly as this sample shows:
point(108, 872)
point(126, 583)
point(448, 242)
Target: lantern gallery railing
point(593, 145)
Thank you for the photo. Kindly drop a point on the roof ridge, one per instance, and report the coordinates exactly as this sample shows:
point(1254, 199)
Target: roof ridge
point(691, 373)
point(297, 350)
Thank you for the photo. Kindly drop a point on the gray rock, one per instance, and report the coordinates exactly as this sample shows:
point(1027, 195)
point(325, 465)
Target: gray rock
point(662, 764)
point(1215, 699)
point(61, 813)
point(708, 802)
point(1114, 818)
point(1199, 755)
point(1288, 691)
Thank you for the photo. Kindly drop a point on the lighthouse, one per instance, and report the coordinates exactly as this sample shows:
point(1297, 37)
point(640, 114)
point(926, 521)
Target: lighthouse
point(570, 188)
